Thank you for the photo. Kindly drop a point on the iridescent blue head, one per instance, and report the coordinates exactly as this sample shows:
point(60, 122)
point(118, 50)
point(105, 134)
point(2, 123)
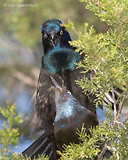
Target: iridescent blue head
point(51, 30)
point(54, 33)
point(51, 26)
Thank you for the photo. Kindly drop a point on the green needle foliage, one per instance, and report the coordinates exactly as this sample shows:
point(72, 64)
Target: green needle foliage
point(9, 133)
point(106, 55)
point(107, 136)
point(20, 157)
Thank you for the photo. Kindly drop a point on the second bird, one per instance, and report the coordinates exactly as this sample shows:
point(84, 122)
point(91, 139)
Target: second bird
point(70, 117)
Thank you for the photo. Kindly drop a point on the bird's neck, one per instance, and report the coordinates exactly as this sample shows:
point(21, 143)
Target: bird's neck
point(60, 58)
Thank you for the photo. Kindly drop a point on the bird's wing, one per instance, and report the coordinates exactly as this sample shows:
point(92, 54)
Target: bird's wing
point(86, 100)
point(44, 117)
point(41, 146)
point(45, 100)
point(45, 105)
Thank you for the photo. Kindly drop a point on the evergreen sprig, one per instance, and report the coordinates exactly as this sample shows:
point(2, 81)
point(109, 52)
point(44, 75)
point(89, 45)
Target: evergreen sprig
point(9, 134)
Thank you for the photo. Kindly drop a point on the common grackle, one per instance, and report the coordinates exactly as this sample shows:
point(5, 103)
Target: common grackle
point(70, 117)
point(59, 61)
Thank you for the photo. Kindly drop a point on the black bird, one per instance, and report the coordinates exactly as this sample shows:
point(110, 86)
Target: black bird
point(70, 117)
point(59, 61)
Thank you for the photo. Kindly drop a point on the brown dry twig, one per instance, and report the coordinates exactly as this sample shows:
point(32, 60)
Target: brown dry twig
point(121, 104)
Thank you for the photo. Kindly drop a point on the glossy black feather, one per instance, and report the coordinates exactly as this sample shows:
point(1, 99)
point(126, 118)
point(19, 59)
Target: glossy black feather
point(70, 117)
point(43, 145)
point(59, 61)
point(61, 65)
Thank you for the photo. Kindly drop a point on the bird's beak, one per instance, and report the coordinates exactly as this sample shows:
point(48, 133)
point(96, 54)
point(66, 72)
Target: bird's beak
point(52, 35)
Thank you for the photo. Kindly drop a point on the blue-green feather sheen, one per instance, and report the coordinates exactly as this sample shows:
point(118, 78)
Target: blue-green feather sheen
point(67, 109)
point(60, 58)
point(51, 26)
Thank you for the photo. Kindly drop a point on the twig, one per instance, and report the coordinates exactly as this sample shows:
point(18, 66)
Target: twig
point(121, 104)
point(115, 112)
point(102, 152)
point(113, 149)
point(124, 115)
point(105, 148)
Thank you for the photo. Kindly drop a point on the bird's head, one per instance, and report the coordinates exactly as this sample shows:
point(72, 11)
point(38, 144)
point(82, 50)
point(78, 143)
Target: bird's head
point(53, 33)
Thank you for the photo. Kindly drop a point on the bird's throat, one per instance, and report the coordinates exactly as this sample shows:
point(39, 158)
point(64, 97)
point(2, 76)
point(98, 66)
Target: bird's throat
point(60, 58)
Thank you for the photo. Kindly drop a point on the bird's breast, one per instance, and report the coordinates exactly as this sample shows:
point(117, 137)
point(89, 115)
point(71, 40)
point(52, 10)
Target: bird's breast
point(65, 128)
point(60, 58)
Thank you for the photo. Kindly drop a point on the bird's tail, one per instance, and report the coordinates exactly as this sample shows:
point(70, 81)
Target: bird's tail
point(41, 146)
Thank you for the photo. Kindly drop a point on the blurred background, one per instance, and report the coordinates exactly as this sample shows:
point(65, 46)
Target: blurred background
point(21, 49)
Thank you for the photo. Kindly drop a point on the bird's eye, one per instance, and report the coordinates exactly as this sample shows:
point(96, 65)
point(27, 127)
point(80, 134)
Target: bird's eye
point(61, 32)
point(45, 35)
point(68, 92)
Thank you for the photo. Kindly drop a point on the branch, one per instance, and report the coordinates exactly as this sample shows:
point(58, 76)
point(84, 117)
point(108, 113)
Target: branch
point(118, 112)
point(121, 104)
point(104, 149)
point(124, 115)
point(115, 112)
point(114, 150)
